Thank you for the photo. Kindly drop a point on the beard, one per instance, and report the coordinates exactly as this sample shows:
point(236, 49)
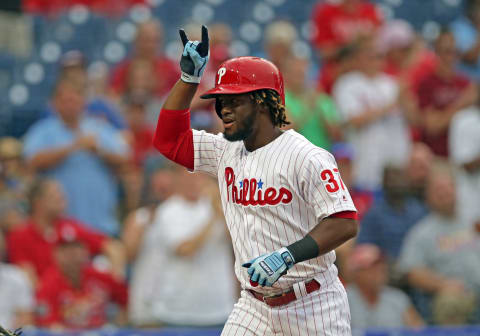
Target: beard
point(244, 129)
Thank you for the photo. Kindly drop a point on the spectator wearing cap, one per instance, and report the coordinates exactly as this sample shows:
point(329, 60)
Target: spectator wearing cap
point(391, 216)
point(73, 67)
point(313, 114)
point(73, 294)
point(440, 253)
point(441, 95)
point(83, 154)
point(467, 38)
point(147, 47)
point(372, 106)
point(16, 294)
point(336, 25)
point(372, 302)
point(31, 246)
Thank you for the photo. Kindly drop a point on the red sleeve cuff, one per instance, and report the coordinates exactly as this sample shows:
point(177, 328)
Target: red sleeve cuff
point(345, 214)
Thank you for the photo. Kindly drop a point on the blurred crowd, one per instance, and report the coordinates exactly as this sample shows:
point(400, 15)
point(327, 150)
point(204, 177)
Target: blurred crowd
point(98, 229)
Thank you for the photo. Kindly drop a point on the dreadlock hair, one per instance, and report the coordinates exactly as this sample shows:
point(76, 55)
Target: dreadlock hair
point(271, 99)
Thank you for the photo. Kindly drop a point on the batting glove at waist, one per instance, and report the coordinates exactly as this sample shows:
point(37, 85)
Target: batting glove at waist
point(266, 269)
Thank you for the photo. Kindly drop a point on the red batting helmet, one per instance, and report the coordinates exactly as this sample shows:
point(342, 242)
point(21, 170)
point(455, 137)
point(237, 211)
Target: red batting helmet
point(246, 74)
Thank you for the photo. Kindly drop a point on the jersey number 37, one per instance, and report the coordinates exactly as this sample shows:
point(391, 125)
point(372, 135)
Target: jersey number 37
point(332, 179)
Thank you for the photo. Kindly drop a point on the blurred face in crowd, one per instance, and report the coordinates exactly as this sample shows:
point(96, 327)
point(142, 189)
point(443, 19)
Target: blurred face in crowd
point(11, 163)
point(51, 200)
point(72, 258)
point(69, 102)
point(373, 277)
point(221, 37)
point(162, 184)
point(441, 194)
point(367, 58)
point(395, 183)
point(149, 38)
point(295, 73)
point(190, 185)
point(140, 79)
point(446, 50)
point(419, 165)
point(136, 116)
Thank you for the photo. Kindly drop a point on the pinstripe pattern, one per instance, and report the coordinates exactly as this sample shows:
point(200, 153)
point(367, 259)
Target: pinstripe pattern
point(293, 163)
point(299, 318)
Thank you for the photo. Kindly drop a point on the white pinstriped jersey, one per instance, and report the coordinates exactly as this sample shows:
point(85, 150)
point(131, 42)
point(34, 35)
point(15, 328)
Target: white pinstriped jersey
point(272, 197)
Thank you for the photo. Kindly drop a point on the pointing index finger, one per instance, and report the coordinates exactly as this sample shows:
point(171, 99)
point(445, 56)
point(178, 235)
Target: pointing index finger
point(183, 36)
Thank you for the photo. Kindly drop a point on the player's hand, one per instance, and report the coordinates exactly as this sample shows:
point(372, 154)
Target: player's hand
point(194, 57)
point(266, 269)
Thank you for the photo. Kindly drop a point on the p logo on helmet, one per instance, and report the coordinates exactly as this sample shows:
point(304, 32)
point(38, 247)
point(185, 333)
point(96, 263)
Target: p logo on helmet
point(222, 71)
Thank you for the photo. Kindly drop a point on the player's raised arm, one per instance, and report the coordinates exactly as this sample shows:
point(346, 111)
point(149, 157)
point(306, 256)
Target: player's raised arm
point(173, 136)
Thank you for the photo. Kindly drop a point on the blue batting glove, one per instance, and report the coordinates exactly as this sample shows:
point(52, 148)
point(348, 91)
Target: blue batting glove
point(266, 269)
point(194, 57)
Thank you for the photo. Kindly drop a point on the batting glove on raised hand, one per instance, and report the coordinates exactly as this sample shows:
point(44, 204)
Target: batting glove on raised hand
point(266, 269)
point(194, 57)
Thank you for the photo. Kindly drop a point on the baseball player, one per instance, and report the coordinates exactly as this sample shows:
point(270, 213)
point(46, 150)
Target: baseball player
point(285, 204)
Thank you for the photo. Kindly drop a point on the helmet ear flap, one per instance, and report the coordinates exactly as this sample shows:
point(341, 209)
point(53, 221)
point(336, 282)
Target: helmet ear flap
point(218, 107)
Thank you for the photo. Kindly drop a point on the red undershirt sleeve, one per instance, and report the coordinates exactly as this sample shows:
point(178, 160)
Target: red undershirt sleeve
point(345, 214)
point(174, 137)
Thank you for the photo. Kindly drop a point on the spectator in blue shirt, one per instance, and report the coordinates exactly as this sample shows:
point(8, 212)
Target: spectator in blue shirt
point(73, 66)
point(391, 215)
point(82, 154)
point(467, 37)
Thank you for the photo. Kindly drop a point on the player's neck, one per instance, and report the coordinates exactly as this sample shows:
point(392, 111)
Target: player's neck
point(262, 138)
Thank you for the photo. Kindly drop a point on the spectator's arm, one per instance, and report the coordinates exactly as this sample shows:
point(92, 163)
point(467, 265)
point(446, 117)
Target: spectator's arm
point(51, 157)
point(430, 281)
point(190, 246)
point(370, 115)
point(115, 252)
point(436, 122)
point(132, 236)
point(115, 160)
point(412, 319)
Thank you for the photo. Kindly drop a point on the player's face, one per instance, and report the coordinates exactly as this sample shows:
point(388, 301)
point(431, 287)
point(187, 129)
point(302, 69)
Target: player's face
point(238, 115)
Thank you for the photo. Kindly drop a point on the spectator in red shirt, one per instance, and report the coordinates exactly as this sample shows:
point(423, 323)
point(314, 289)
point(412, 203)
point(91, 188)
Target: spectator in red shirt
point(335, 26)
point(31, 246)
point(147, 47)
point(442, 94)
point(73, 294)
